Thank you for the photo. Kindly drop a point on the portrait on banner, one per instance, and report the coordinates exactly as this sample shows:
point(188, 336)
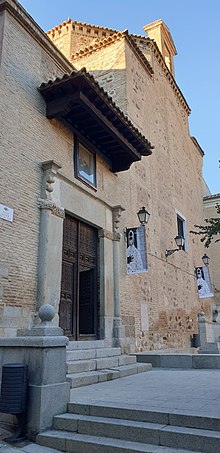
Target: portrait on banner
point(203, 282)
point(136, 250)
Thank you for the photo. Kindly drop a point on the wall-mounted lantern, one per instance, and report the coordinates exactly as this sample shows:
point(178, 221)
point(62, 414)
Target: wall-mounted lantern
point(179, 242)
point(205, 259)
point(143, 215)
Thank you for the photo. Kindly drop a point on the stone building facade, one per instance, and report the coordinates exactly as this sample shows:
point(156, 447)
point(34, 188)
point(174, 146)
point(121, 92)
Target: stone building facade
point(78, 164)
point(210, 202)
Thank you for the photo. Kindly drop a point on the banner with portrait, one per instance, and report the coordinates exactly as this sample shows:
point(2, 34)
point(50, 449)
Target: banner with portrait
point(203, 282)
point(136, 250)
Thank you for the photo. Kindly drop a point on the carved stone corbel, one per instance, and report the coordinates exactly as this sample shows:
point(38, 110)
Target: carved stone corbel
point(116, 215)
point(47, 204)
point(48, 200)
point(50, 169)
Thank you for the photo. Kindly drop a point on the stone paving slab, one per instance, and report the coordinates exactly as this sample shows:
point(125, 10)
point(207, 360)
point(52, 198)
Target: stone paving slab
point(22, 447)
point(30, 448)
point(189, 392)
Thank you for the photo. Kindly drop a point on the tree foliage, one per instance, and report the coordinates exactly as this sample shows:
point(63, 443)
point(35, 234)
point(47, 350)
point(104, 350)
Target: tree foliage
point(209, 231)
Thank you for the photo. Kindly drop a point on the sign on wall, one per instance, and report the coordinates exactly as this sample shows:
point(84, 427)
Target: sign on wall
point(136, 250)
point(6, 213)
point(203, 282)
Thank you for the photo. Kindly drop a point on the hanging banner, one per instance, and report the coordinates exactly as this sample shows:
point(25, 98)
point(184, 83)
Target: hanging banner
point(6, 213)
point(136, 250)
point(203, 282)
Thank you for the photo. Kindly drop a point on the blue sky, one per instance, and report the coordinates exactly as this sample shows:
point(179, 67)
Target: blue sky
point(194, 25)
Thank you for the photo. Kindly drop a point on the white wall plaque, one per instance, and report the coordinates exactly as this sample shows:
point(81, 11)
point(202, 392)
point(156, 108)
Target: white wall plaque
point(6, 213)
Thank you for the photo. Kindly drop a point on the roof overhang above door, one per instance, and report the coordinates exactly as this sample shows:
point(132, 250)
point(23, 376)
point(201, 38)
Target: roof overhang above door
point(78, 100)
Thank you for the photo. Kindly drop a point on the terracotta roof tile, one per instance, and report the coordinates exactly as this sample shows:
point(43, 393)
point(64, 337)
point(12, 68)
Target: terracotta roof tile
point(211, 197)
point(108, 41)
point(196, 143)
point(131, 38)
point(99, 43)
point(158, 55)
point(106, 98)
point(85, 24)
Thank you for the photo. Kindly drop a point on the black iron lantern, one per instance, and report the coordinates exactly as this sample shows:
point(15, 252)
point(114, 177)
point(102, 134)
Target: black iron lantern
point(143, 215)
point(205, 259)
point(179, 242)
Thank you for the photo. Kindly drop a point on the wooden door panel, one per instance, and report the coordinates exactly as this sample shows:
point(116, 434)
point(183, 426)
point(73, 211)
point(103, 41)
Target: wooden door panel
point(67, 305)
point(77, 310)
point(87, 280)
point(86, 303)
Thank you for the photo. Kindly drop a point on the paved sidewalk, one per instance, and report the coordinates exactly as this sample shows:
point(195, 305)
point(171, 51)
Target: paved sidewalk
point(191, 392)
point(194, 392)
point(30, 448)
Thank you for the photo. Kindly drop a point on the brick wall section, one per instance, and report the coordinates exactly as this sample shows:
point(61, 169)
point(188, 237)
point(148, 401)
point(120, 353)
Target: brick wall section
point(70, 36)
point(107, 65)
point(172, 182)
point(28, 140)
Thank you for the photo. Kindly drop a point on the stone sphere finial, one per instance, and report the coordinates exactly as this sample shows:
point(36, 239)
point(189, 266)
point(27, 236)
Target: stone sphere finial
point(201, 316)
point(46, 312)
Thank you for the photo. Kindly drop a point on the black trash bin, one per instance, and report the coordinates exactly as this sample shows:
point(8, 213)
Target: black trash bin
point(14, 396)
point(196, 340)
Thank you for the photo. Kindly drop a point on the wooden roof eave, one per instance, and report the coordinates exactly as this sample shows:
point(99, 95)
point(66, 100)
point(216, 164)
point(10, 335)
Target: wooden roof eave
point(67, 97)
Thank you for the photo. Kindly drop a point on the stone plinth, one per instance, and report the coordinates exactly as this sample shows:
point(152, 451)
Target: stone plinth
point(48, 391)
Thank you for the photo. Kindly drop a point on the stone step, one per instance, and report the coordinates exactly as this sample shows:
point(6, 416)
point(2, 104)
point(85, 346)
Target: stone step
point(144, 432)
point(197, 361)
point(94, 344)
point(93, 377)
point(84, 354)
point(80, 443)
point(144, 415)
point(79, 366)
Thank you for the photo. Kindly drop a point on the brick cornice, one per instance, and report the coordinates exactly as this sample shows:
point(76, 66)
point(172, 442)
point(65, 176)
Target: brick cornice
point(26, 21)
point(159, 57)
point(130, 39)
point(99, 44)
point(71, 22)
point(198, 146)
point(215, 196)
point(111, 40)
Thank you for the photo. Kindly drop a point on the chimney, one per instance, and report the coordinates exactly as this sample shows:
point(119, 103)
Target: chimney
point(160, 33)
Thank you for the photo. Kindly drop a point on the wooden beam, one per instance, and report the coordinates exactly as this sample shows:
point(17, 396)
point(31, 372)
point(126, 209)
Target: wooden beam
point(109, 127)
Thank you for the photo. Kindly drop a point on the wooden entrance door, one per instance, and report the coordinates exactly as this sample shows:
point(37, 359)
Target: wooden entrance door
point(78, 302)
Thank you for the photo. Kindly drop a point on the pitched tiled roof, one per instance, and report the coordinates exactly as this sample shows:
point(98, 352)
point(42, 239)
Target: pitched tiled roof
point(212, 197)
point(108, 41)
point(78, 99)
point(99, 43)
point(131, 40)
point(105, 97)
point(196, 143)
point(81, 24)
point(158, 55)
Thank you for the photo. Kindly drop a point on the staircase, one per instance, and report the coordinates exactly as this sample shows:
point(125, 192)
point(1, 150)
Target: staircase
point(108, 429)
point(90, 362)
